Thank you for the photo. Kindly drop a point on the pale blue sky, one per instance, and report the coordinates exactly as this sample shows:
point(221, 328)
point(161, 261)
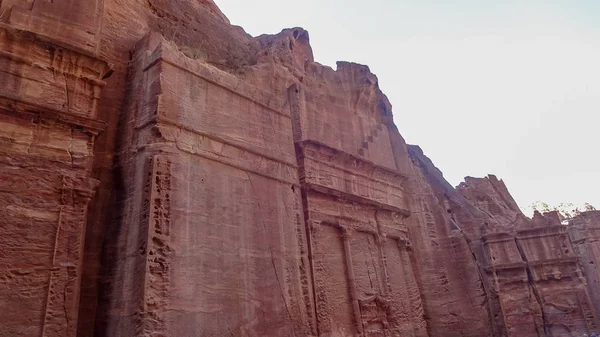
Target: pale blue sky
point(504, 87)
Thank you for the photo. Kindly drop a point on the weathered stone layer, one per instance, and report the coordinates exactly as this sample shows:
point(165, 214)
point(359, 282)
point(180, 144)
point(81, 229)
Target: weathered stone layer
point(163, 173)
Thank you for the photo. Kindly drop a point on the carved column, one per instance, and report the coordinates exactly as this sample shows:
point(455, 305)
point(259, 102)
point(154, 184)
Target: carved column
point(352, 280)
point(384, 285)
point(308, 278)
point(320, 292)
point(413, 294)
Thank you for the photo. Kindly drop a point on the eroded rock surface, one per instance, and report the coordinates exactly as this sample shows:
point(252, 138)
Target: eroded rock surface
point(533, 270)
point(165, 174)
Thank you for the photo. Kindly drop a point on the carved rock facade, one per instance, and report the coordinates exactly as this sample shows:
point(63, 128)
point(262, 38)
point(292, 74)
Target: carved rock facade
point(165, 174)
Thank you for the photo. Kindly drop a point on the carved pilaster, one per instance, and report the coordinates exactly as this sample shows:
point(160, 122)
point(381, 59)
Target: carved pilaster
point(382, 240)
point(60, 316)
point(306, 270)
point(383, 279)
point(159, 249)
point(346, 234)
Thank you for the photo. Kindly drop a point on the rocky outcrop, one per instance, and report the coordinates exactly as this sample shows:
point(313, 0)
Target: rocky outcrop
point(532, 270)
point(166, 174)
point(584, 231)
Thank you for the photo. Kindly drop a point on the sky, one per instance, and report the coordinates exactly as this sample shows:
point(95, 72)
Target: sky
point(510, 88)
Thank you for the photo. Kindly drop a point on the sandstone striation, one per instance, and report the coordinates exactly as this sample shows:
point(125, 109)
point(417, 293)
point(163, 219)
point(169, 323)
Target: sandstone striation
point(163, 173)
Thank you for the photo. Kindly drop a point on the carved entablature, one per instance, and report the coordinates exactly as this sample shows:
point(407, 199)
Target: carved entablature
point(496, 237)
point(509, 273)
point(159, 52)
point(356, 217)
point(584, 234)
point(399, 236)
point(354, 164)
point(545, 243)
point(343, 222)
point(539, 232)
point(187, 106)
point(351, 178)
point(47, 79)
point(501, 250)
point(555, 269)
point(76, 23)
point(549, 253)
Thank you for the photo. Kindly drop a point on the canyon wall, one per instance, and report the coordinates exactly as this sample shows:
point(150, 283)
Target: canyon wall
point(163, 173)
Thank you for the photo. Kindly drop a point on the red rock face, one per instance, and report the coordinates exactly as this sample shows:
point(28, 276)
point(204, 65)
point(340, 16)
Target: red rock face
point(215, 184)
point(48, 116)
point(584, 232)
point(532, 270)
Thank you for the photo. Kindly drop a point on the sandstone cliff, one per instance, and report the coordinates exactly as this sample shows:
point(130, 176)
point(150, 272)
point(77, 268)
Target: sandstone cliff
point(163, 173)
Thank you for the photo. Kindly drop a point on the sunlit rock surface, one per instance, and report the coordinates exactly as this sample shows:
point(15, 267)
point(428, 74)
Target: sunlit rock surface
point(163, 173)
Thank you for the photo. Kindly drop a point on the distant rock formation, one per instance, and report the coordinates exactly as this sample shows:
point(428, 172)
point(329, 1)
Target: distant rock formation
point(163, 173)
